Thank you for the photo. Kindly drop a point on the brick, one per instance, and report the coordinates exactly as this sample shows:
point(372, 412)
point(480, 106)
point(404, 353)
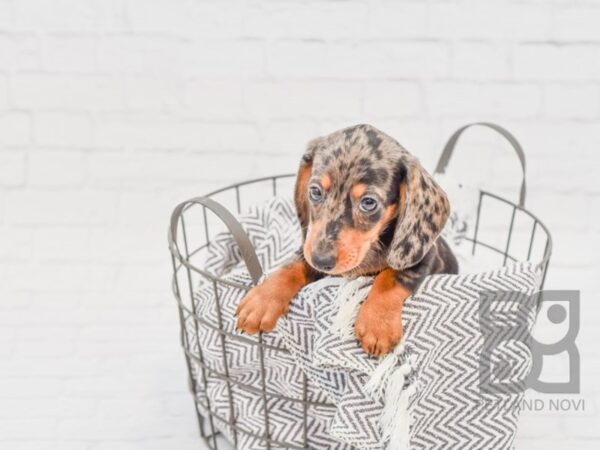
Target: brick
point(45, 444)
point(449, 99)
point(545, 171)
point(391, 19)
point(61, 301)
point(15, 129)
point(130, 54)
point(16, 245)
point(595, 207)
point(69, 54)
point(7, 344)
point(385, 59)
point(67, 92)
point(288, 136)
point(544, 442)
point(186, 19)
point(112, 429)
point(140, 277)
point(20, 429)
point(62, 130)
point(68, 277)
point(214, 99)
point(4, 100)
point(314, 59)
point(160, 94)
point(577, 23)
point(490, 21)
point(214, 23)
point(68, 16)
point(534, 425)
point(12, 168)
point(124, 131)
point(15, 300)
point(584, 428)
point(180, 443)
point(61, 367)
point(448, 19)
point(571, 101)
point(323, 19)
point(56, 168)
point(124, 332)
point(53, 244)
point(160, 16)
point(572, 215)
point(60, 208)
point(63, 407)
point(543, 139)
point(206, 58)
point(480, 61)
point(19, 52)
point(49, 346)
point(119, 349)
point(134, 207)
point(224, 58)
point(30, 386)
point(163, 133)
point(206, 19)
point(129, 244)
point(393, 99)
point(75, 315)
point(241, 138)
point(6, 17)
point(295, 99)
point(577, 62)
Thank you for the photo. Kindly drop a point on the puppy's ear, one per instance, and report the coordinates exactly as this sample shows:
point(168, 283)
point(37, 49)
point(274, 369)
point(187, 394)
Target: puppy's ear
point(422, 212)
point(301, 189)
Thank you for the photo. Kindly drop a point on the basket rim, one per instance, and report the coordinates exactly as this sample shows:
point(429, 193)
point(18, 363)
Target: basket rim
point(185, 261)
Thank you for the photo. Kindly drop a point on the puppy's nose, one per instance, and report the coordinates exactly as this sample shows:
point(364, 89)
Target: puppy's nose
point(323, 262)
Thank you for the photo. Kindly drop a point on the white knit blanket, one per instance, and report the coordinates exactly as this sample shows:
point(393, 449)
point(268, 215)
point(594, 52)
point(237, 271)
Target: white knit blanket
point(426, 394)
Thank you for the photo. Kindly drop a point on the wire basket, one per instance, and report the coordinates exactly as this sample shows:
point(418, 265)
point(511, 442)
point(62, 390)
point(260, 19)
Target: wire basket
point(522, 237)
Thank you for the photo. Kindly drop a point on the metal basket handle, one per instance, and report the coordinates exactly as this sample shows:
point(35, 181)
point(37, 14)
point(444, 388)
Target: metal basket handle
point(449, 149)
point(238, 233)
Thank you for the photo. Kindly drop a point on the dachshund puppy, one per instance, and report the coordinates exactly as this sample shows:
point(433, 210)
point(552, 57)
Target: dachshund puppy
point(366, 207)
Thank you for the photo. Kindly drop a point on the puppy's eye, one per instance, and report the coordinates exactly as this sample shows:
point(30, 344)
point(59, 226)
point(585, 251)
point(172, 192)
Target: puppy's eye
point(368, 204)
point(315, 194)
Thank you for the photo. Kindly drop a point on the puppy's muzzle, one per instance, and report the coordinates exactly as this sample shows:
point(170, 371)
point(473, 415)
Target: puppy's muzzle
point(324, 262)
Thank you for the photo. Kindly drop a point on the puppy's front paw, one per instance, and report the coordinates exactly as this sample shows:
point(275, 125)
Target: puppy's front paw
point(378, 328)
point(260, 309)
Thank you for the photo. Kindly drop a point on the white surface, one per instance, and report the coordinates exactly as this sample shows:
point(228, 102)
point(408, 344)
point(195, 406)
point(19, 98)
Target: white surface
point(112, 111)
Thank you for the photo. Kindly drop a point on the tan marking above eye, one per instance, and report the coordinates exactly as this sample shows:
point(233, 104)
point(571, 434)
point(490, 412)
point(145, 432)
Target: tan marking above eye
point(358, 190)
point(326, 182)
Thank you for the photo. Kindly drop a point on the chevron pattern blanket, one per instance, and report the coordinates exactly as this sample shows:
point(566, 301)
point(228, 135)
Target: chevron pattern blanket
point(426, 394)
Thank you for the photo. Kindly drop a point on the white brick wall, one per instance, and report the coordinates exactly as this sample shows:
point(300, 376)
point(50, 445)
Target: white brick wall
point(112, 111)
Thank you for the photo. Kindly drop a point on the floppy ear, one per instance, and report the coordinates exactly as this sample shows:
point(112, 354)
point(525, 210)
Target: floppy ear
point(301, 189)
point(423, 209)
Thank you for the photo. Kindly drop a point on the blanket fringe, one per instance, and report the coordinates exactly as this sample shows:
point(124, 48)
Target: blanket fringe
point(387, 383)
point(389, 377)
point(349, 299)
point(379, 379)
point(395, 420)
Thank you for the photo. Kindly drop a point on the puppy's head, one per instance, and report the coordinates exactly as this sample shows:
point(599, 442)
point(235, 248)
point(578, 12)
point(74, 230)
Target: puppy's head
point(361, 196)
